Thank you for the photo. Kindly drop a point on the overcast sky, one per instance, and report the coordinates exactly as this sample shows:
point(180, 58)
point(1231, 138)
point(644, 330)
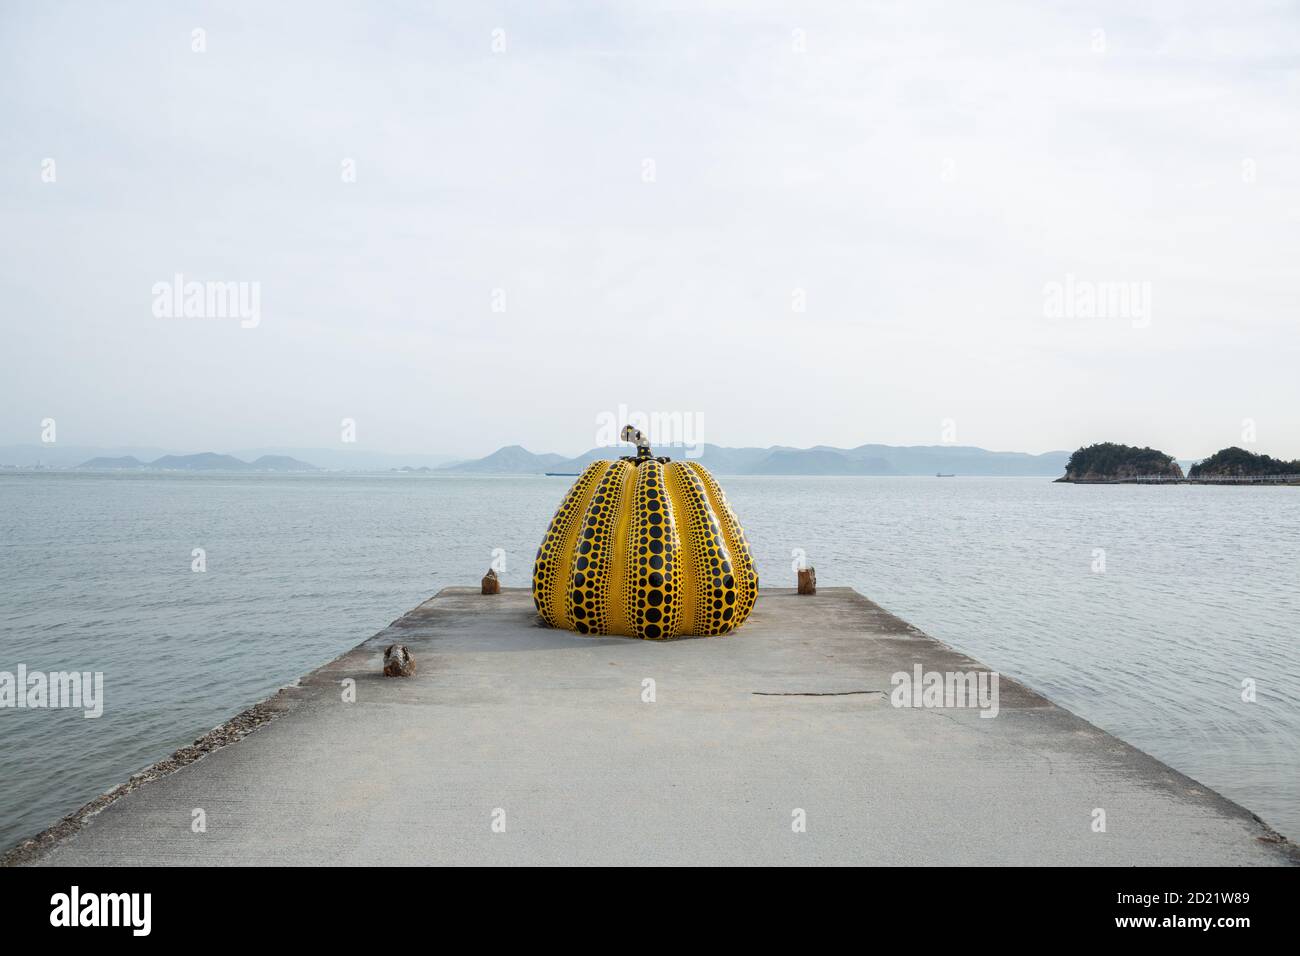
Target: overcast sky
point(913, 177)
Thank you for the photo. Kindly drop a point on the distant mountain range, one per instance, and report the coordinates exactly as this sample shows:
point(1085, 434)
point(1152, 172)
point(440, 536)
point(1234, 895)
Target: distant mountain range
point(342, 458)
point(779, 460)
point(205, 461)
point(516, 460)
point(351, 458)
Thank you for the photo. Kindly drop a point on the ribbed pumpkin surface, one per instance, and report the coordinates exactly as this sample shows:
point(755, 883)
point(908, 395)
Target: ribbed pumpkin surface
point(646, 550)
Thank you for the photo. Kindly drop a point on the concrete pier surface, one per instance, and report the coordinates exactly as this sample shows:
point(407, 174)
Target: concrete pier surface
point(546, 735)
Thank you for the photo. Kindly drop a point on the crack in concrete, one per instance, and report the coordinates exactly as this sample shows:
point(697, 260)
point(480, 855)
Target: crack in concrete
point(813, 693)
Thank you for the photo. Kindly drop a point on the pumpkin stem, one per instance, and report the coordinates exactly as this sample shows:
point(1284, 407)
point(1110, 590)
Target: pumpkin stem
point(642, 442)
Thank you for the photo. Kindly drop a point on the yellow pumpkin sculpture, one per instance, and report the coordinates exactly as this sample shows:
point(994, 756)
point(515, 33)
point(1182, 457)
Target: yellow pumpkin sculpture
point(645, 547)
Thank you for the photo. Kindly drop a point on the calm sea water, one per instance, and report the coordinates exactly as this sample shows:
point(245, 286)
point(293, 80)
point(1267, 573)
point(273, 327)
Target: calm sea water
point(1198, 593)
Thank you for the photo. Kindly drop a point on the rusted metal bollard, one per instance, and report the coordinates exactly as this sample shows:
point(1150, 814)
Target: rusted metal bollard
point(808, 580)
point(491, 583)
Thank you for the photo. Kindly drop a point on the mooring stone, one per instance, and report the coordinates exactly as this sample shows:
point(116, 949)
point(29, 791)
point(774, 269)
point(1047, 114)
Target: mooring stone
point(491, 583)
point(398, 661)
point(808, 580)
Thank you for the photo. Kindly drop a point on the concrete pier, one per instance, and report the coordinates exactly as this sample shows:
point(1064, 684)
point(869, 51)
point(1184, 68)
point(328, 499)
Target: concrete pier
point(547, 737)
